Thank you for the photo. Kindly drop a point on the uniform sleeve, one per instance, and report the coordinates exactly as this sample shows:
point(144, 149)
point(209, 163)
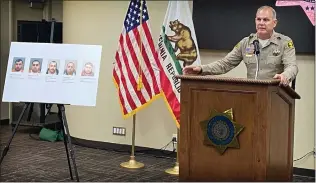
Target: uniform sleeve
point(289, 61)
point(230, 61)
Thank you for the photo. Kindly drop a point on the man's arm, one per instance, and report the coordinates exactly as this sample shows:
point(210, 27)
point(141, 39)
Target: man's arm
point(230, 61)
point(289, 61)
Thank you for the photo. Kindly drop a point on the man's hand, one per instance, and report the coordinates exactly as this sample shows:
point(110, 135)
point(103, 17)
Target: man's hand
point(284, 81)
point(191, 69)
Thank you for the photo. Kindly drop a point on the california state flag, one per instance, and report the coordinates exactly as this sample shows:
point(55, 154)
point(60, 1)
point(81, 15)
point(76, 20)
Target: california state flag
point(177, 47)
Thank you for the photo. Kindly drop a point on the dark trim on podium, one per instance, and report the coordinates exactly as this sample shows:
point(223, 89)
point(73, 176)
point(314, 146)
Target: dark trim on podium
point(304, 172)
point(122, 147)
point(4, 122)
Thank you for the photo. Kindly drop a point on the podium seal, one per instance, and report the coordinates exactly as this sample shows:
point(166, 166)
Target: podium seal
point(221, 131)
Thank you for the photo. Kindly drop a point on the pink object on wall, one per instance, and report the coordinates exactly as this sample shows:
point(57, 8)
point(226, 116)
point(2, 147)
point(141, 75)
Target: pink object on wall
point(307, 5)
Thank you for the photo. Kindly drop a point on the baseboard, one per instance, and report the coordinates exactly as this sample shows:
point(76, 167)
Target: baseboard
point(156, 152)
point(4, 122)
point(304, 172)
point(122, 148)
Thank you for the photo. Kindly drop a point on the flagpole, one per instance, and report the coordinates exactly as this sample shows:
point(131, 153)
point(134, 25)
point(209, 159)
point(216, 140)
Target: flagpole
point(175, 169)
point(132, 163)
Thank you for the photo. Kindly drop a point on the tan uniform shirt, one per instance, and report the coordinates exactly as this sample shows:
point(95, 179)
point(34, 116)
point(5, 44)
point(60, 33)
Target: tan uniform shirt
point(276, 57)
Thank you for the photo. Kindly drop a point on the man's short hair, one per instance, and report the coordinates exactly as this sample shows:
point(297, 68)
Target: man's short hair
point(18, 60)
point(89, 63)
point(36, 61)
point(71, 63)
point(53, 62)
point(274, 15)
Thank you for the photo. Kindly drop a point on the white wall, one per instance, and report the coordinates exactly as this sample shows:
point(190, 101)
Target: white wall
point(100, 22)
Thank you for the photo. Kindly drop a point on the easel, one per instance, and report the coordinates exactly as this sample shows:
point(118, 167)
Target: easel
point(62, 117)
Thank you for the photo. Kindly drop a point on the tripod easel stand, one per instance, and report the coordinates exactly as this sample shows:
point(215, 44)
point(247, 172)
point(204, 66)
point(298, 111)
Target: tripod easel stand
point(62, 116)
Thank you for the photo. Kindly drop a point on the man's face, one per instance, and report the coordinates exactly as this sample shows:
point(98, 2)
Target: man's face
point(70, 68)
point(52, 67)
point(88, 69)
point(35, 66)
point(18, 66)
point(265, 22)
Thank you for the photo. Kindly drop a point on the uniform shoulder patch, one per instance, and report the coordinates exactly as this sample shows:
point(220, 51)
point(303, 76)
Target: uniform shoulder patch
point(237, 45)
point(290, 44)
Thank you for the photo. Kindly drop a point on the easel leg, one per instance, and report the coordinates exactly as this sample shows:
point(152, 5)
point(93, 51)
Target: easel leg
point(61, 107)
point(30, 112)
point(65, 143)
point(42, 113)
point(6, 148)
point(28, 116)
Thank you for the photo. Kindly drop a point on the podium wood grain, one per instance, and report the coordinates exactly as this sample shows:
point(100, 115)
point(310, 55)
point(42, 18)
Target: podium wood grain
point(265, 109)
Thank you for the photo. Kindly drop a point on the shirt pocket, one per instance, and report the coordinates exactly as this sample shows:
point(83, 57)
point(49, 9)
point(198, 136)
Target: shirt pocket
point(250, 60)
point(274, 60)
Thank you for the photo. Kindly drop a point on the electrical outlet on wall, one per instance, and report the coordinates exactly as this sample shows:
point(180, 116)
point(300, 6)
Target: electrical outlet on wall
point(119, 131)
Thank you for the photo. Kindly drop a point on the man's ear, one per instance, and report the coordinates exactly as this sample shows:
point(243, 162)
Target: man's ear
point(275, 22)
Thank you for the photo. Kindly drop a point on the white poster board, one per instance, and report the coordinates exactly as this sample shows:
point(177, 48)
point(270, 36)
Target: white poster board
point(52, 73)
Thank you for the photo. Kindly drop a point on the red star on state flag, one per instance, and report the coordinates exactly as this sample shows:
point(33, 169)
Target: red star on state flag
point(307, 5)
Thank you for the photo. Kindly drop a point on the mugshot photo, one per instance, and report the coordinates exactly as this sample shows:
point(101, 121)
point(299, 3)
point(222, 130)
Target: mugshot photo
point(53, 67)
point(88, 69)
point(18, 64)
point(70, 67)
point(35, 65)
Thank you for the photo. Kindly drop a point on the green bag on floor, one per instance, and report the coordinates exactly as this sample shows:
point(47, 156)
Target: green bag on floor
point(61, 136)
point(50, 135)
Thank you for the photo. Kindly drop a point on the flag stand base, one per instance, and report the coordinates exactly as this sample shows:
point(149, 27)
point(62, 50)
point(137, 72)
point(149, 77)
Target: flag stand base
point(132, 164)
point(174, 170)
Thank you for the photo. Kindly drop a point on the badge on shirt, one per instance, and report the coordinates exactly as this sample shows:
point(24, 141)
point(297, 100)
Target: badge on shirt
point(276, 52)
point(249, 51)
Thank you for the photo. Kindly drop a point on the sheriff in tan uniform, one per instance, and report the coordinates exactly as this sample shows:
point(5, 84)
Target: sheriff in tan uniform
point(276, 60)
point(277, 56)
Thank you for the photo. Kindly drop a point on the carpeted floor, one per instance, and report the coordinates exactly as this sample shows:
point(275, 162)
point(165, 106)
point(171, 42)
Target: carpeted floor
point(31, 160)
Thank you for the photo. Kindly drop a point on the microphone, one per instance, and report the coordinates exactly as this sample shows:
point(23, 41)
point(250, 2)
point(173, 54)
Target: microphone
point(256, 45)
point(257, 52)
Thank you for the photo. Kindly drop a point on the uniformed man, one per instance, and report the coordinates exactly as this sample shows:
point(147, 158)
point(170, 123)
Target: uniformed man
point(276, 59)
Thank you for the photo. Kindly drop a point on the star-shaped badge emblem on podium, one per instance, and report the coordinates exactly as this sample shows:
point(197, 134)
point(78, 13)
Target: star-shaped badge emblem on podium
point(221, 131)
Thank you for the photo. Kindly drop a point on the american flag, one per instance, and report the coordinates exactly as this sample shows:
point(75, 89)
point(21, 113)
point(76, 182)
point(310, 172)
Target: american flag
point(136, 71)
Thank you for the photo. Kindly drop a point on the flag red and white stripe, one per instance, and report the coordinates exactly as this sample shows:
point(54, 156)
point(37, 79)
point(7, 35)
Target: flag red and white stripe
point(136, 60)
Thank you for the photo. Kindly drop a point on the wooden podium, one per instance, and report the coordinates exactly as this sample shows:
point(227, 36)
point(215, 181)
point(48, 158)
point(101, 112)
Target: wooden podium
point(264, 109)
